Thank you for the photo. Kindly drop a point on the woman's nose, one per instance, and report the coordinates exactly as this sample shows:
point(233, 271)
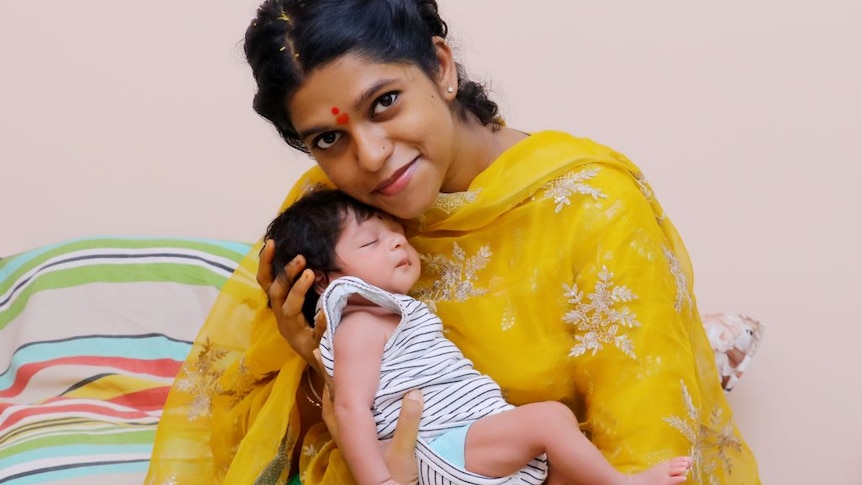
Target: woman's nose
point(373, 148)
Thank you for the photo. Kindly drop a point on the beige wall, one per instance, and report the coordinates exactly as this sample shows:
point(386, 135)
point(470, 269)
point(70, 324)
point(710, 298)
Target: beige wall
point(135, 118)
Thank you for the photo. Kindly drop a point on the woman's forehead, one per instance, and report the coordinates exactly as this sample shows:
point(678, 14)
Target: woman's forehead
point(348, 81)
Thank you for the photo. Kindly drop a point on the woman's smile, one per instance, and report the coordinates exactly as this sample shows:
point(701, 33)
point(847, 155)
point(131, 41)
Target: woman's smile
point(398, 181)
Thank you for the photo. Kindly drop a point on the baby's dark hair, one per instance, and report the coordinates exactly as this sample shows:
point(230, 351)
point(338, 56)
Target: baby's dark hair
point(289, 39)
point(311, 227)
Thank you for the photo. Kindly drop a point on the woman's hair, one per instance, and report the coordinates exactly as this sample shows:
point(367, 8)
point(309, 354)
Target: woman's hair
point(289, 39)
point(311, 227)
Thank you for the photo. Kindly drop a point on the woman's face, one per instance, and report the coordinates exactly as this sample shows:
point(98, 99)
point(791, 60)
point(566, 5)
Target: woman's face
point(383, 133)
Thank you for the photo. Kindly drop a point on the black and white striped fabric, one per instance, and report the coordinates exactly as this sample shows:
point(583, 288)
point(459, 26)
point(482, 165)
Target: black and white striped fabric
point(419, 356)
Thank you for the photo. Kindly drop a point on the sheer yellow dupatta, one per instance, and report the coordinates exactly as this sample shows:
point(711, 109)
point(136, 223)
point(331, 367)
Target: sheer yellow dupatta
point(230, 415)
point(558, 274)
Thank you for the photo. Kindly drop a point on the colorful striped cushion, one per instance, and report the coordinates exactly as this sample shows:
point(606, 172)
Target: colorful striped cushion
point(92, 332)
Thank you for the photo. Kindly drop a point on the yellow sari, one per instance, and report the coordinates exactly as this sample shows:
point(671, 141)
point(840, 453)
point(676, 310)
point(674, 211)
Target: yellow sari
point(556, 272)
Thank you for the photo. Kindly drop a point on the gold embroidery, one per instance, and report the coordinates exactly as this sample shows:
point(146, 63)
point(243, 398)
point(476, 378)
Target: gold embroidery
point(650, 365)
point(200, 378)
point(308, 186)
point(648, 193)
point(455, 277)
point(711, 438)
point(507, 321)
point(644, 185)
point(450, 202)
point(276, 471)
point(683, 298)
point(562, 188)
point(600, 319)
point(243, 383)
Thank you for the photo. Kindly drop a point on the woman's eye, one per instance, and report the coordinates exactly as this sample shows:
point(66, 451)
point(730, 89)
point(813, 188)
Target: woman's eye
point(383, 103)
point(326, 140)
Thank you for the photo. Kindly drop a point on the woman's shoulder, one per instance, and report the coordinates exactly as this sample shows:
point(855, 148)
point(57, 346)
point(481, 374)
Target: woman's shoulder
point(564, 140)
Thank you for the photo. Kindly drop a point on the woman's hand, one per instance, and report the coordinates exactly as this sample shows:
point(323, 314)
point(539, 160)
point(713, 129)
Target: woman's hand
point(399, 453)
point(286, 302)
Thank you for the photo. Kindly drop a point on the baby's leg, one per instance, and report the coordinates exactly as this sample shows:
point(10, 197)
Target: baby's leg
point(666, 473)
point(501, 444)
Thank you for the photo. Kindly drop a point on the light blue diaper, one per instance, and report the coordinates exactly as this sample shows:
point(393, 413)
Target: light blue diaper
point(442, 462)
point(451, 444)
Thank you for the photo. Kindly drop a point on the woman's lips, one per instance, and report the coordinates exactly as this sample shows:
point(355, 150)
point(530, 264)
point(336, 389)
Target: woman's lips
point(398, 181)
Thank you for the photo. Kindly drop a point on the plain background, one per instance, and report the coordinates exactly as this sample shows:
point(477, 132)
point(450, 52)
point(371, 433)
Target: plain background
point(135, 119)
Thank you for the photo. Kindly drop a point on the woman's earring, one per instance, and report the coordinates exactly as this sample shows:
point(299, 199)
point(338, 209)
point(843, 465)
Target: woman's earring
point(450, 90)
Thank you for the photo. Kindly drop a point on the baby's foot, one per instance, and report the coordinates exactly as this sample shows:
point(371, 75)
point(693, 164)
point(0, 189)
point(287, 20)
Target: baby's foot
point(669, 472)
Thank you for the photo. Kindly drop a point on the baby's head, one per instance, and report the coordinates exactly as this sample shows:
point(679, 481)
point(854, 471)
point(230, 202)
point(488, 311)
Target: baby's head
point(340, 236)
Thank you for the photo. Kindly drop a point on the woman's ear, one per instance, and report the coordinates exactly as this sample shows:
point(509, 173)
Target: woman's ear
point(447, 74)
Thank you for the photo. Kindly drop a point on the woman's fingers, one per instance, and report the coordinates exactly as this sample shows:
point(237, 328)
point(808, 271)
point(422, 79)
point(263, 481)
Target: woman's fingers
point(286, 299)
point(400, 454)
point(328, 413)
point(328, 382)
point(328, 397)
point(292, 305)
point(320, 325)
point(264, 267)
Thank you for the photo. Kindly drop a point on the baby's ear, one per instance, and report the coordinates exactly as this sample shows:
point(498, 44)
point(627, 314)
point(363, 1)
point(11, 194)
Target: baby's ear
point(321, 281)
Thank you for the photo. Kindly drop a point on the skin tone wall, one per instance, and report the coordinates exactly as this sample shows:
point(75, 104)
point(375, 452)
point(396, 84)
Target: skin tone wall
point(137, 120)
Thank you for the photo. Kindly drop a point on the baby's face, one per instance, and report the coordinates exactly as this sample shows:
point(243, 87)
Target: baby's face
point(376, 251)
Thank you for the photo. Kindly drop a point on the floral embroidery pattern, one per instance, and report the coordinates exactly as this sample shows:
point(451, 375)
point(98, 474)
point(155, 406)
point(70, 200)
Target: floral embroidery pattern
point(456, 276)
point(600, 319)
point(451, 202)
point(706, 433)
point(242, 384)
point(683, 298)
point(648, 193)
point(200, 380)
point(561, 189)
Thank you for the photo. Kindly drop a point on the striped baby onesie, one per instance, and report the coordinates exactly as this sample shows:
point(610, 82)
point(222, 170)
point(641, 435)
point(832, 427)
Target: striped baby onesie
point(419, 356)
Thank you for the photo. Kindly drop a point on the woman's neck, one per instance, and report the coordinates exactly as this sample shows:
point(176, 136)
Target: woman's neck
point(477, 146)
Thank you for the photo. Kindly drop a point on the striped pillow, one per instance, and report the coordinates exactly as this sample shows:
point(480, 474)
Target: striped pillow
point(92, 332)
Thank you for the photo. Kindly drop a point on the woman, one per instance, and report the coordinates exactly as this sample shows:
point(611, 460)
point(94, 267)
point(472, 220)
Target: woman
point(547, 256)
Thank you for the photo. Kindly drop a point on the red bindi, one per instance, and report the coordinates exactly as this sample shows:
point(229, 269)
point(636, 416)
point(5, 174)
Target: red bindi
point(342, 119)
point(335, 110)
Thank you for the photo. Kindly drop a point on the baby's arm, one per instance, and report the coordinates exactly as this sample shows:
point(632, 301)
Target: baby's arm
point(358, 347)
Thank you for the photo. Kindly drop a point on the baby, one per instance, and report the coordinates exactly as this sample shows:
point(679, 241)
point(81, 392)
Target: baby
point(388, 343)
